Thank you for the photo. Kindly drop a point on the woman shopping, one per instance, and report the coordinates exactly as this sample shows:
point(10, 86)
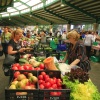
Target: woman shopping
point(76, 54)
point(14, 46)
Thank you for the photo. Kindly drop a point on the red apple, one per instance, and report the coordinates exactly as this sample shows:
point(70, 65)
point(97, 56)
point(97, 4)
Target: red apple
point(41, 86)
point(16, 74)
point(41, 66)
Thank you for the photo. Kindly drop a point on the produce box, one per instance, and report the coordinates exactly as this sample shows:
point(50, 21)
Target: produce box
point(50, 85)
point(24, 86)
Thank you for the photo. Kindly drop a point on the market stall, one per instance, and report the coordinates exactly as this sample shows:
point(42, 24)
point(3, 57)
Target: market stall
point(41, 78)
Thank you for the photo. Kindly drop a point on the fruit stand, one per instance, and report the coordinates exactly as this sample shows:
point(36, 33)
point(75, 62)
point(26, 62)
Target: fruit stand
point(40, 78)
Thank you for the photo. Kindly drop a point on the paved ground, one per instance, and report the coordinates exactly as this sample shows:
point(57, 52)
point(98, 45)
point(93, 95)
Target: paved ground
point(94, 75)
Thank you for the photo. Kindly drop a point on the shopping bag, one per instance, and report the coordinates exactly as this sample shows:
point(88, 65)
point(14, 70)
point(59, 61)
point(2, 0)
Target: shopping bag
point(8, 61)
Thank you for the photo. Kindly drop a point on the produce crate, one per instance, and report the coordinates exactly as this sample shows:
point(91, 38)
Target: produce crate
point(49, 94)
point(11, 94)
point(45, 94)
point(22, 94)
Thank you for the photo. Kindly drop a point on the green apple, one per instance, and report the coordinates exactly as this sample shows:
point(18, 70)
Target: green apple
point(25, 81)
point(14, 82)
point(20, 77)
point(12, 86)
point(20, 85)
point(30, 74)
point(33, 79)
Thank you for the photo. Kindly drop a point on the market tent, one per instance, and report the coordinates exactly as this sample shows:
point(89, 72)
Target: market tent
point(39, 12)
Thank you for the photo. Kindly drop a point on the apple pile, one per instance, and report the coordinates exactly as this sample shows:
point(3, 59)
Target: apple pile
point(17, 66)
point(45, 82)
point(25, 80)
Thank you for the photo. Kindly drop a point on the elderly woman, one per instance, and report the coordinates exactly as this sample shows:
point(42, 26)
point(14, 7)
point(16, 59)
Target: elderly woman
point(14, 46)
point(76, 54)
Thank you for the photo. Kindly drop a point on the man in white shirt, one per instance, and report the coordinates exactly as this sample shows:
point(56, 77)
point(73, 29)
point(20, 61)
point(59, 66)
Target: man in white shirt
point(64, 35)
point(88, 43)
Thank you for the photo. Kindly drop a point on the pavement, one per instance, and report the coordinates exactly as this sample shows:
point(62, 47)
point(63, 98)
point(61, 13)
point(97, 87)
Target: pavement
point(94, 76)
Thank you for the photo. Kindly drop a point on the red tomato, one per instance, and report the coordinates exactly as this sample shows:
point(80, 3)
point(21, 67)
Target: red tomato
point(43, 73)
point(40, 77)
point(51, 81)
point(55, 80)
point(59, 84)
point(54, 86)
point(46, 76)
point(31, 68)
point(41, 82)
point(41, 66)
point(47, 79)
point(16, 64)
point(26, 67)
point(21, 68)
point(47, 85)
point(14, 68)
point(50, 88)
point(41, 86)
point(16, 74)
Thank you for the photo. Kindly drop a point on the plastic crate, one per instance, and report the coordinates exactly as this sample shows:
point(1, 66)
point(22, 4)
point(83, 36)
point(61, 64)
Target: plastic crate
point(28, 94)
point(45, 94)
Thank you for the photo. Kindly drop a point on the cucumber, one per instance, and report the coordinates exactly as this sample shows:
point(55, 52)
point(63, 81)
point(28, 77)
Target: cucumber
point(23, 60)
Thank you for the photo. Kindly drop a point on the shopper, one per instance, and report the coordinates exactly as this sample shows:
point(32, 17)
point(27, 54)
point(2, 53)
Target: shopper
point(14, 46)
point(43, 37)
point(64, 36)
point(76, 54)
point(5, 37)
point(88, 40)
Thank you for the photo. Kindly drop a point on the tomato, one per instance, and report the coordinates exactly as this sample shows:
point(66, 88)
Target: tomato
point(47, 85)
point(41, 86)
point(59, 82)
point(14, 68)
point(54, 86)
point(31, 68)
point(54, 80)
point(46, 76)
point(47, 79)
point(41, 82)
point(16, 74)
point(50, 88)
point(40, 77)
point(41, 66)
point(21, 68)
point(51, 81)
point(26, 67)
point(43, 73)
point(16, 64)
